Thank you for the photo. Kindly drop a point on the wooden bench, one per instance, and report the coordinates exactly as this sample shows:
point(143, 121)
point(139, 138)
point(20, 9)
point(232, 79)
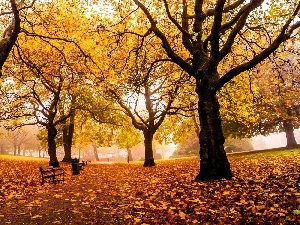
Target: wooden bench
point(83, 163)
point(54, 174)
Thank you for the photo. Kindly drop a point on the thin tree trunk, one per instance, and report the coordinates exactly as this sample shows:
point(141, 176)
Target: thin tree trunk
point(196, 124)
point(68, 132)
point(19, 149)
point(289, 133)
point(214, 164)
point(129, 155)
point(52, 132)
point(148, 139)
point(65, 142)
point(15, 149)
point(96, 152)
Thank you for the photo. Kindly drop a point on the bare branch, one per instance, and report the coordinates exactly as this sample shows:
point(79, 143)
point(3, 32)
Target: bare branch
point(21, 8)
point(210, 12)
point(284, 35)
point(127, 110)
point(240, 24)
point(43, 37)
point(174, 21)
point(185, 25)
point(215, 31)
point(165, 44)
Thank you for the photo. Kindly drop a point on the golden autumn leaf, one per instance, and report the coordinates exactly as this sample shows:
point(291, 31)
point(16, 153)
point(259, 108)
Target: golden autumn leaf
point(36, 217)
point(182, 215)
point(130, 199)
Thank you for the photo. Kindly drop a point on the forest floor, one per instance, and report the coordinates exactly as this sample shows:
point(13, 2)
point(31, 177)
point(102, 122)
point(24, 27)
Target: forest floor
point(264, 190)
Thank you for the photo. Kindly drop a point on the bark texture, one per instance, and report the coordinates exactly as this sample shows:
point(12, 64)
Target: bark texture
point(15, 149)
point(52, 132)
point(95, 152)
point(148, 139)
point(289, 133)
point(129, 153)
point(214, 164)
point(10, 35)
point(68, 132)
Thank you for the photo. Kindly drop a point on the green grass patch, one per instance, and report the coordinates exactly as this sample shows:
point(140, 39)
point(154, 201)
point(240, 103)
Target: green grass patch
point(22, 158)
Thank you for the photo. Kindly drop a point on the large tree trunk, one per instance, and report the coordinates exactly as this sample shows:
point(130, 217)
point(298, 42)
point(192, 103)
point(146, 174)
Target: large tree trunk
point(9, 36)
point(289, 133)
point(68, 132)
point(214, 164)
point(148, 139)
point(52, 132)
point(95, 152)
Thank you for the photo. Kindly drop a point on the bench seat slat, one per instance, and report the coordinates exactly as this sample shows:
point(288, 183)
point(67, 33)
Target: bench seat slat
point(53, 174)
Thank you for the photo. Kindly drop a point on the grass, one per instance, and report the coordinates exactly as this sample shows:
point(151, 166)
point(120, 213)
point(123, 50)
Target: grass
point(22, 158)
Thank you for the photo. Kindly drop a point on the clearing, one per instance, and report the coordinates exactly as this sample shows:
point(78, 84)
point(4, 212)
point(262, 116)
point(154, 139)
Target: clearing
point(265, 190)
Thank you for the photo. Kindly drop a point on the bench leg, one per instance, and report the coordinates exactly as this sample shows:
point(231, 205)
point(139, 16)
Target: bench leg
point(51, 178)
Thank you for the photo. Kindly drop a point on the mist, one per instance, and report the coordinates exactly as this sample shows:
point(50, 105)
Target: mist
point(275, 140)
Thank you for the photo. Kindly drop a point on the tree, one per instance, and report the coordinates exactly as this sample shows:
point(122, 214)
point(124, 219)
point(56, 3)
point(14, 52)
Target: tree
point(95, 133)
point(42, 98)
point(17, 138)
point(151, 100)
point(139, 78)
point(41, 85)
point(4, 142)
point(128, 137)
point(189, 147)
point(214, 32)
point(239, 116)
point(97, 118)
point(11, 32)
point(68, 127)
point(278, 81)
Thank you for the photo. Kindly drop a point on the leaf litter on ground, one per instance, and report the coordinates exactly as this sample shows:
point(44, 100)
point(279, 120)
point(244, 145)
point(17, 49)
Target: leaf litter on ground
point(264, 190)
